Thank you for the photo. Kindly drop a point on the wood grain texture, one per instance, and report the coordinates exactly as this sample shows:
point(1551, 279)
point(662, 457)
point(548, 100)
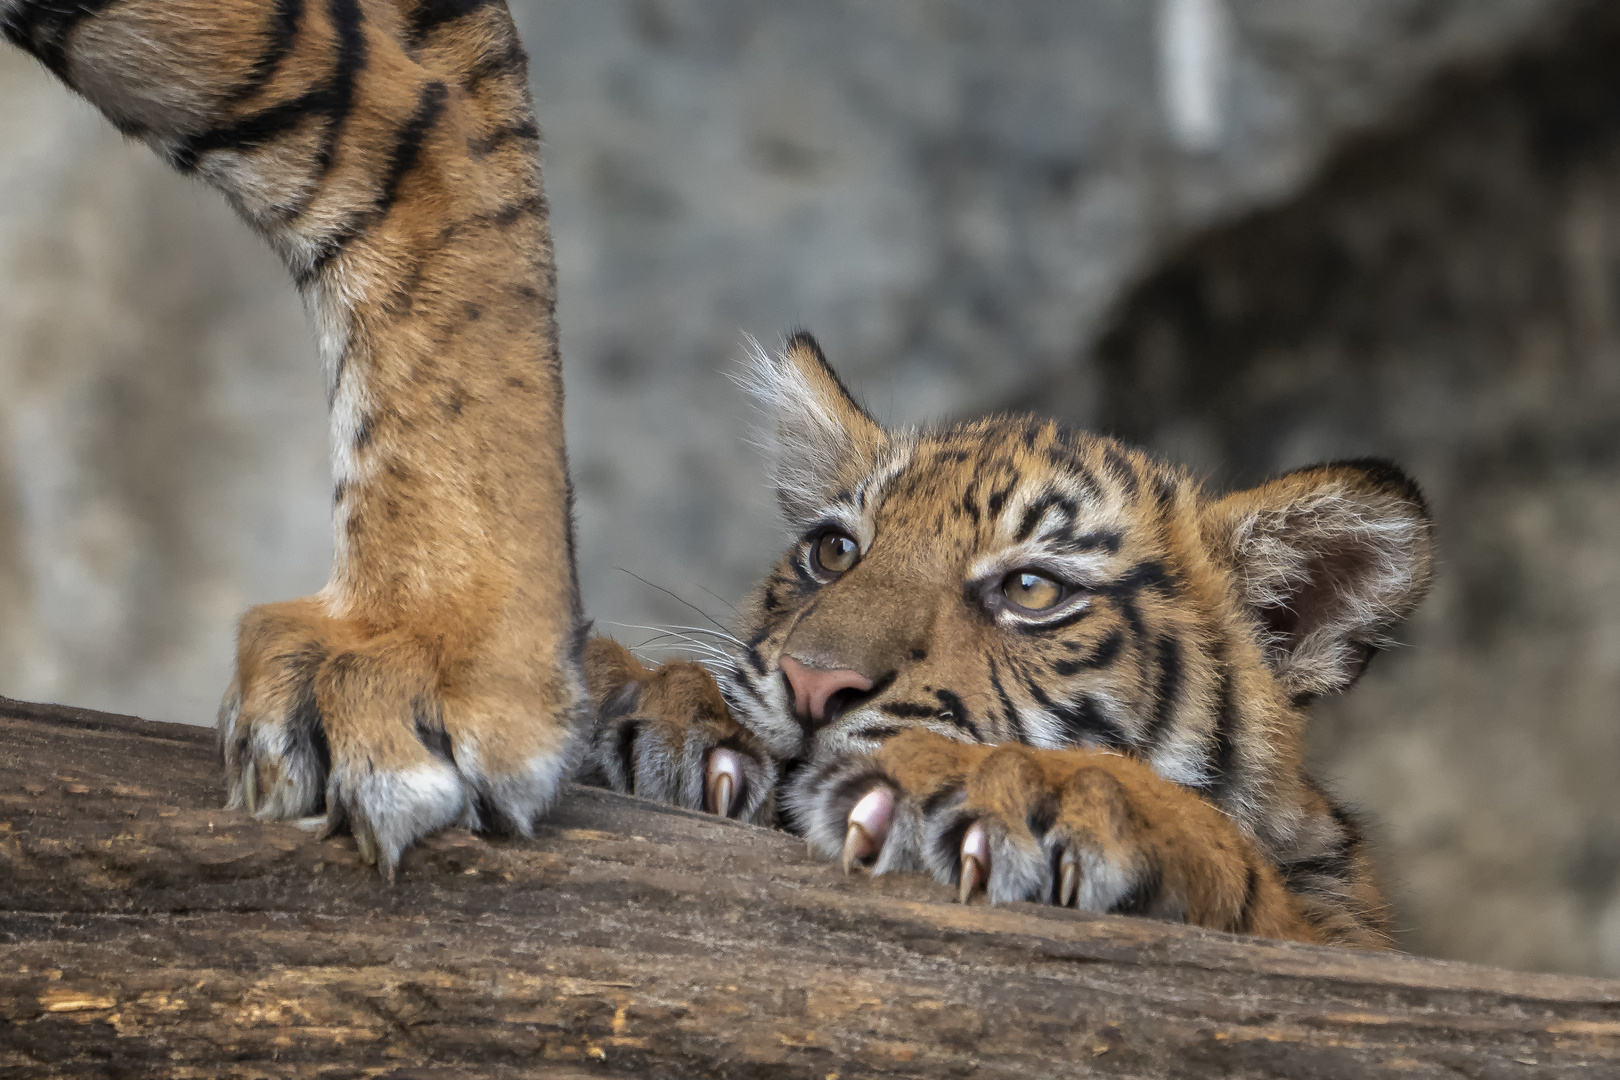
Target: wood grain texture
point(144, 932)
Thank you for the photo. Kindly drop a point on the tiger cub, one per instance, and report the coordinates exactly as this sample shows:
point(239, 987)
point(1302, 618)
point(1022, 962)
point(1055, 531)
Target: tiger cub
point(1035, 663)
point(387, 150)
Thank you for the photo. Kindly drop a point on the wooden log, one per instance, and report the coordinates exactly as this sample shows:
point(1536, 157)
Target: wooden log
point(146, 932)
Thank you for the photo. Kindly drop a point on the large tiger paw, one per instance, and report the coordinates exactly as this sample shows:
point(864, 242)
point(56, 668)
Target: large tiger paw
point(666, 733)
point(1096, 832)
point(373, 732)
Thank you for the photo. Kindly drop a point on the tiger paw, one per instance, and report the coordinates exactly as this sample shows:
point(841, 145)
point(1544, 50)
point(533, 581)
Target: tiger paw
point(373, 732)
point(666, 733)
point(1096, 832)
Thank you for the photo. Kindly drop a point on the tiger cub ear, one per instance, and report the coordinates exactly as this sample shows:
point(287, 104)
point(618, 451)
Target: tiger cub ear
point(1327, 559)
point(819, 439)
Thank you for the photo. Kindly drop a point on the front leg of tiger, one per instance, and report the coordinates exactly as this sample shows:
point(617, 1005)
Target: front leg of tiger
point(387, 149)
point(1072, 828)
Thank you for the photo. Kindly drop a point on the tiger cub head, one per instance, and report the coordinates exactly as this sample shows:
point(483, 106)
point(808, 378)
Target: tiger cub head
point(1011, 579)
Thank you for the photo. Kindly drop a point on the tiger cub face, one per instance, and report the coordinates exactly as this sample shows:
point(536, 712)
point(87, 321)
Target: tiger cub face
point(1009, 579)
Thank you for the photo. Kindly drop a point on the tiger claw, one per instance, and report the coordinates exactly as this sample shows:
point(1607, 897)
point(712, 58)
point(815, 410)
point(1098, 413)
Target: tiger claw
point(975, 861)
point(720, 796)
point(858, 844)
point(869, 822)
point(724, 781)
point(1068, 879)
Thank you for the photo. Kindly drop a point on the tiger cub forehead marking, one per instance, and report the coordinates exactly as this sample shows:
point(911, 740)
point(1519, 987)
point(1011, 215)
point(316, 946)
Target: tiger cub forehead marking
point(1005, 488)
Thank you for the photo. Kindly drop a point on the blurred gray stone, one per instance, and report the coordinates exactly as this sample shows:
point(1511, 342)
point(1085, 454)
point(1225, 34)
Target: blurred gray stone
point(957, 198)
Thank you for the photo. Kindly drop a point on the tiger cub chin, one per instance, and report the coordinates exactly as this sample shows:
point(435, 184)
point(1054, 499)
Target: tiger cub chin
point(1035, 663)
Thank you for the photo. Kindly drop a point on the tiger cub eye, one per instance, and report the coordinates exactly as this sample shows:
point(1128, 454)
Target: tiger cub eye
point(1031, 591)
point(836, 552)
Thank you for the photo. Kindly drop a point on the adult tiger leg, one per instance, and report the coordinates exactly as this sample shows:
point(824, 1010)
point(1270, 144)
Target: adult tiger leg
point(386, 150)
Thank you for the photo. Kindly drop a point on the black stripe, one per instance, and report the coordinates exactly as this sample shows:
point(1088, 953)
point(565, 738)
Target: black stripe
point(333, 100)
point(1014, 724)
point(1106, 653)
point(430, 105)
point(1168, 689)
point(509, 213)
point(953, 710)
point(1121, 467)
point(1345, 820)
point(1333, 864)
point(1245, 914)
point(42, 27)
point(970, 501)
point(1102, 540)
point(1079, 719)
point(999, 498)
point(1037, 510)
point(250, 132)
point(350, 61)
point(280, 38)
point(879, 734)
point(908, 710)
point(1083, 721)
point(432, 14)
point(402, 160)
point(740, 680)
point(1133, 618)
point(755, 660)
point(525, 131)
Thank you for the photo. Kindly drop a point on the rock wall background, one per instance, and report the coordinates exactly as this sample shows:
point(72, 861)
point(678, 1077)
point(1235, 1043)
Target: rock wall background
point(1250, 233)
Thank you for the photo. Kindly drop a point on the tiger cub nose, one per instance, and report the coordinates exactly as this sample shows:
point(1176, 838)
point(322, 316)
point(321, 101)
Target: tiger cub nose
point(813, 689)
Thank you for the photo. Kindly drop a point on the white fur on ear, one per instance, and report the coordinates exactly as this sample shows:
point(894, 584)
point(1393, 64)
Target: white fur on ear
point(815, 435)
point(1328, 559)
